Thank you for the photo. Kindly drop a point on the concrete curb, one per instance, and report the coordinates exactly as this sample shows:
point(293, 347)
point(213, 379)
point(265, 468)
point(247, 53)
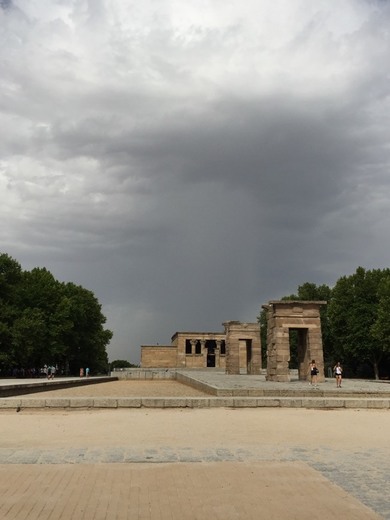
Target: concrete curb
point(192, 402)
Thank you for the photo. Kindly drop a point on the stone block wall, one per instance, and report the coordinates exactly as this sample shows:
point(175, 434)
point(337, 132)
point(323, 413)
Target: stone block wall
point(157, 356)
point(144, 374)
point(243, 347)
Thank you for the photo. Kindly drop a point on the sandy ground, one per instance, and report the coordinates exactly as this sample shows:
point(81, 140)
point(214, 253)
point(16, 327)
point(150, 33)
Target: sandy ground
point(342, 429)
point(211, 463)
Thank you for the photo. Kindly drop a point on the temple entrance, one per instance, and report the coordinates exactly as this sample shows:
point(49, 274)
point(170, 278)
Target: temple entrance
point(210, 347)
point(246, 356)
point(299, 321)
point(299, 358)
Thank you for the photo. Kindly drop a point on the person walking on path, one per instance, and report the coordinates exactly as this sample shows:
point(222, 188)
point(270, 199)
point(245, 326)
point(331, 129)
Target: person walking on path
point(338, 372)
point(313, 372)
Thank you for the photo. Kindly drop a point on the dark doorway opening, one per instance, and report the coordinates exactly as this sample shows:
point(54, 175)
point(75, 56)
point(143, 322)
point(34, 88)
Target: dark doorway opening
point(299, 352)
point(210, 347)
point(248, 356)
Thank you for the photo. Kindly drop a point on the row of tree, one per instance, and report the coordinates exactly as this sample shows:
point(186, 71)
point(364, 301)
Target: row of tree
point(47, 322)
point(355, 322)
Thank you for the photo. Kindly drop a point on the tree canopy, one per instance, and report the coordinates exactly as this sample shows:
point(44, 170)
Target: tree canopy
point(44, 321)
point(359, 312)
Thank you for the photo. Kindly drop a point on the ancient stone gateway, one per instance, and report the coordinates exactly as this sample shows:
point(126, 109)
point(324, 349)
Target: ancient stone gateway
point(304, 317)
point(243, 347)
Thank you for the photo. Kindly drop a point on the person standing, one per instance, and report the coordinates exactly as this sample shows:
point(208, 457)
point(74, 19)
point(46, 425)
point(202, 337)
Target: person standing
point(338, 372)
point(313, 372)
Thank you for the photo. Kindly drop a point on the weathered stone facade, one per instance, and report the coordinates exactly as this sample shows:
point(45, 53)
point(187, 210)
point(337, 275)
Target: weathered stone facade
point(243, 347)
point(238, 349)
point(304, 317)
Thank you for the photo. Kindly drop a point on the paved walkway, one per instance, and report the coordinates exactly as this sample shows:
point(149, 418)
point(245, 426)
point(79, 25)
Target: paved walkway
point(201, 463)
point(225, 385)
point(224, 491)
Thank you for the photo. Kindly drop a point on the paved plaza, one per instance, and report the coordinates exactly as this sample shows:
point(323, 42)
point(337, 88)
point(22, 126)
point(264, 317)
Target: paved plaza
point(213, 463)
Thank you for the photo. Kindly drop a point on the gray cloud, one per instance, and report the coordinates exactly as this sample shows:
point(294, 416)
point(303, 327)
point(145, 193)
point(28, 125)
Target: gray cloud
point(188, 164)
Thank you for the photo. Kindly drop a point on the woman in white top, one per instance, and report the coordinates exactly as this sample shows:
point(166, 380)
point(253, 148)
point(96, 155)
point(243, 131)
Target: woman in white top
point(338, 372)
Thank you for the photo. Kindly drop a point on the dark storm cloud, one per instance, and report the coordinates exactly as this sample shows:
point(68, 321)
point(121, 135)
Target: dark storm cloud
point(188, 164)
point(5, 4)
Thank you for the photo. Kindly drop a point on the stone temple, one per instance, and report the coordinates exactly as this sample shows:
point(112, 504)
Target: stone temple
point(238, 348)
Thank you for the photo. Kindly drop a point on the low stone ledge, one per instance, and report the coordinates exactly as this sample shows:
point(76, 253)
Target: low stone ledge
point(57, 403)
point(378, 403)
point(130, 375)
point(254, 392)
point(33, 403)
point(153, 402)
point(10, 403)
point(268, 402)
point(245, 402)
point(81, 402)
point(334, 403)
point(355, 403)
point(198, 402)
point(240, 392)
point(175, 402)
point(313, 402)
point(105, 403)
point(285, 402)
point(129, 402)
point(224, 393)
point(221, 402)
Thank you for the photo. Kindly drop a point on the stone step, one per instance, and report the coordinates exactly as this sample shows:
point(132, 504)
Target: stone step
point(319, 402)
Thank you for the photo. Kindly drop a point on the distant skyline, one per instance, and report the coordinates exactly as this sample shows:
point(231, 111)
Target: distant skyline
point(189, 161)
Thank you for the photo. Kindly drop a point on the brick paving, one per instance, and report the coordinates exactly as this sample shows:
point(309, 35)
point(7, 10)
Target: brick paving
point(225, 491)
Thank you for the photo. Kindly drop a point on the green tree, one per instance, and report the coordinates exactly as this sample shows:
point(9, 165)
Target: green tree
point(10, 279)
point(28, 338)
point(87, 338)
point(356, 316)
point(43, 321)
point(381, 327)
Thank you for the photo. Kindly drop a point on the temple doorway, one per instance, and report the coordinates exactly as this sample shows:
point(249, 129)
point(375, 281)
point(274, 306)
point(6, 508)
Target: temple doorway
point(210, 347)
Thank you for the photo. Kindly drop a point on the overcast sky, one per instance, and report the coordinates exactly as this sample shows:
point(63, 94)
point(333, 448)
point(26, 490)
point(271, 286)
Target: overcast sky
point(188, 161)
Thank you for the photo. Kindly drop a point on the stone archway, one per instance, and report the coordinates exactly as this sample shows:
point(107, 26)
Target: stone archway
point(303, 316)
